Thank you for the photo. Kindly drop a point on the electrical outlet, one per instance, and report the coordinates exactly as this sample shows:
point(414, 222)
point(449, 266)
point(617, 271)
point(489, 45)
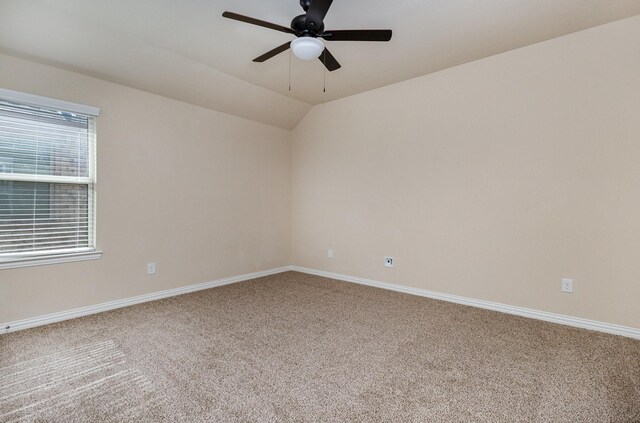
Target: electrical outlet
point(567, 286)
point(151, 268)
point(330, 253)
point(388, 262)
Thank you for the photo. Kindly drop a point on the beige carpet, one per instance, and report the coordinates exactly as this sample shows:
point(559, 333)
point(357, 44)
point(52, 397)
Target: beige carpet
point(300, 348)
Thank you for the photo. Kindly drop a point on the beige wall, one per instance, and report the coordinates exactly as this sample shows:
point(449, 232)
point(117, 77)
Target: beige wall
point(491, 180)
point(203, 194)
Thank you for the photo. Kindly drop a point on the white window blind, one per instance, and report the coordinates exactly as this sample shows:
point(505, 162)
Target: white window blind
point(47, 180)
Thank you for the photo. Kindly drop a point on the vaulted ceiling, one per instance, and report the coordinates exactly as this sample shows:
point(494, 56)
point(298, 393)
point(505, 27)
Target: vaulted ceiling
point(187, 51)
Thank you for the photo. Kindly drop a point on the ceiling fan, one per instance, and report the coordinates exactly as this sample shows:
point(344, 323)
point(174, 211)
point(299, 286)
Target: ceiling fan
point(308, 28)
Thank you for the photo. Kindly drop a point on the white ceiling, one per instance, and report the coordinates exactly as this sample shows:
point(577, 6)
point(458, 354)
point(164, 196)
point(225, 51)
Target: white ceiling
point(187, 51)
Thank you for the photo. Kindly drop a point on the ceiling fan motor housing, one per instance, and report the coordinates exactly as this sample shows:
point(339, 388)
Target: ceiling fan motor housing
point(303, 28)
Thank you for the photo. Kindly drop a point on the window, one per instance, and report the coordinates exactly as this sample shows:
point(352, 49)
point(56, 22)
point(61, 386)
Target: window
point(47, 178)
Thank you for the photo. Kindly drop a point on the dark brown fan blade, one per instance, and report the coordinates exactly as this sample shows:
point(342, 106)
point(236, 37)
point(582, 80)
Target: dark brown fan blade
point(268, 55)
point(358, 35)
point(258, 22)
point(329, 61)
point(316, 13)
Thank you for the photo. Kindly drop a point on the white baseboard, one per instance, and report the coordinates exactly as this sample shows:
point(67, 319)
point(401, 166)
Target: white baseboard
point(504, 308)
point(111, 305)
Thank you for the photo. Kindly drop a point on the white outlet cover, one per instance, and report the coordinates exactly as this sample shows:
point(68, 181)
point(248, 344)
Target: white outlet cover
point(567, 285)
point(330, 253)
point(388, 262)
point(151, 268)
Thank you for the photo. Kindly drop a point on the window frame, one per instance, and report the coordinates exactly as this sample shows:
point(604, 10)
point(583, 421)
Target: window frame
point(27, 259)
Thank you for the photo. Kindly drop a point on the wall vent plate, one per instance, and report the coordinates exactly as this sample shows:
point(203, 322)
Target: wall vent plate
point(388, 262)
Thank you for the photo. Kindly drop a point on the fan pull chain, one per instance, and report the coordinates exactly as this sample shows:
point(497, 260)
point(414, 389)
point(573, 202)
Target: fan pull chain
point(324, 71)
point(289, 70)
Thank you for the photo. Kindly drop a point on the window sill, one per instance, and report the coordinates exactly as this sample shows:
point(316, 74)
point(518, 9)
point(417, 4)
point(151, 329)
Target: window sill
point(49, 259)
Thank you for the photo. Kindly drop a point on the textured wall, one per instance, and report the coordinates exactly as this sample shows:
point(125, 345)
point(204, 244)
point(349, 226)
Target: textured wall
point(203, 194)
point(491, 180)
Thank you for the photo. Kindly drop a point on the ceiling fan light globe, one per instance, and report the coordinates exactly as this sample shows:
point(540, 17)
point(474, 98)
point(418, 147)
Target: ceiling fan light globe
point(307, 48)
